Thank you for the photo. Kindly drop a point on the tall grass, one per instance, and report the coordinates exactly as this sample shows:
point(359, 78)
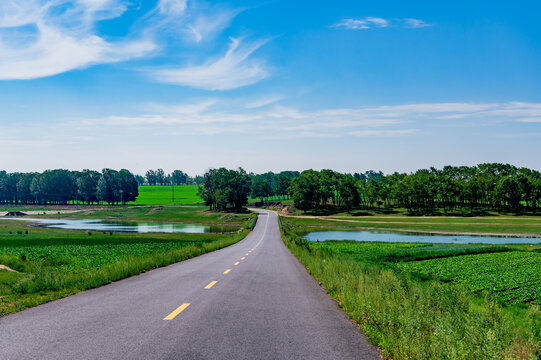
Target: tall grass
point(412, 319)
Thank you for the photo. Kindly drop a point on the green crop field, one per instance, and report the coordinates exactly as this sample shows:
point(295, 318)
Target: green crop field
point(53, 263)
point(163, 195)
point(514, 277)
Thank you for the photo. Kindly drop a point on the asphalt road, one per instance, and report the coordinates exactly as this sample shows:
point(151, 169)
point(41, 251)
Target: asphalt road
point(252, 300)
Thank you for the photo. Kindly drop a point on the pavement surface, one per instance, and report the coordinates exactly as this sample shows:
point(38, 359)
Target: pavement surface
point(251, 300)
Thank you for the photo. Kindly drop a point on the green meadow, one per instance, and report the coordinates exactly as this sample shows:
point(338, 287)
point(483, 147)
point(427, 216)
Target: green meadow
point(167, 195)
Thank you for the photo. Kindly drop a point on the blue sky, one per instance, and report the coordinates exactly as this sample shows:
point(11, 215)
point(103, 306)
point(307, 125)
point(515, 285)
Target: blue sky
point(268, 85)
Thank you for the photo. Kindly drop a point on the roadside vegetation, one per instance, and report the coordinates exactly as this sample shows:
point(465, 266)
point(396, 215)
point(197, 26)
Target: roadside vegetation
point(431, 301)
point(50, 263)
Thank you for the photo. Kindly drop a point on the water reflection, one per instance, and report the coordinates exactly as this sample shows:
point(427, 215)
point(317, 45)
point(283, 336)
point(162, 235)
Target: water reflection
point(387, 236)
point(132, 227)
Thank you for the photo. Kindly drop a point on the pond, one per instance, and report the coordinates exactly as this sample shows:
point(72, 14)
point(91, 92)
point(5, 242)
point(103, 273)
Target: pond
point(131, 227)
point(388, 236)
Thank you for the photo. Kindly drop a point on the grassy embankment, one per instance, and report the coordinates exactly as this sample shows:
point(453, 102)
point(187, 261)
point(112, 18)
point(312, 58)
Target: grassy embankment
point(53, 263)
point(414, 304)
point(526, 226)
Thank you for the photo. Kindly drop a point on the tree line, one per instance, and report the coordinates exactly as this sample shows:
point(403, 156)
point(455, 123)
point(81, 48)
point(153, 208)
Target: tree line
point(485, 187)
point(159, 177)
point(61, 187)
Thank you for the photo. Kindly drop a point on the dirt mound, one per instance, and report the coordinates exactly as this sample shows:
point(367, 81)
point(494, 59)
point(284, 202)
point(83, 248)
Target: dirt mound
point(4, 267)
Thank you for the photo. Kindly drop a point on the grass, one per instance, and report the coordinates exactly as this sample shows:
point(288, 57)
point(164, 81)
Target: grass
point(163, 195)
point(54, 263)
point(189, 214)
point(475, 225)
point(413, 314)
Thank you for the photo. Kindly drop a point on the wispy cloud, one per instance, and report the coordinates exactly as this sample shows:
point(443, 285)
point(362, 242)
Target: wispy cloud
point(415, 23)
point(41, 38)
point(376, 121)
point(361, 24)
point(377, 22)
point(192, 22)
point(233, 70)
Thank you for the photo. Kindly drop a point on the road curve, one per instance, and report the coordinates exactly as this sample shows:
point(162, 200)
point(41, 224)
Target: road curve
point(266, 306)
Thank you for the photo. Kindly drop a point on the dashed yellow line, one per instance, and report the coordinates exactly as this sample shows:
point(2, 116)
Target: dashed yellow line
point(174, 314)
point(242, 258)
point(236, 263)
point(211, 284)
point(248, 253)
point(227, 271)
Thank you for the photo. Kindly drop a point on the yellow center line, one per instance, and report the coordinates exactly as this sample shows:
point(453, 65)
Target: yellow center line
point(211, 284)
point(227, 271)
point(236, 263)
point(242, 258)
point(247, 254)
point(174, 314)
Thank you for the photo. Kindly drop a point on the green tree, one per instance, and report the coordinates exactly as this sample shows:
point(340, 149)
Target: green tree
point(87, 184)
point(108, 187)
point(261, 189)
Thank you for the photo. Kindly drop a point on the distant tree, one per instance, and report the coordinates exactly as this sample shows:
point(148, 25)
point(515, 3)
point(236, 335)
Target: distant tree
point(261, 189)
point(108, 187)
point(178, 177)
point(507, 192)
point(349, 193)
point(87, 184)
point(140, 180)
point(151, 177)
point(160, 177)
point(127, 186)
point(223, 189)
point(305, 190)
point(23, 188)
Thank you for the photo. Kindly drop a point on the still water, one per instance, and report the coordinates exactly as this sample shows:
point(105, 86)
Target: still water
point(387, 236)
point(133, 227)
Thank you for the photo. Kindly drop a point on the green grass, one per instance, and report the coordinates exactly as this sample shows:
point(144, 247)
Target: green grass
point(54, 263)
point(475, 225)
point(189, 214)
point(163, 195)
point(413, 314)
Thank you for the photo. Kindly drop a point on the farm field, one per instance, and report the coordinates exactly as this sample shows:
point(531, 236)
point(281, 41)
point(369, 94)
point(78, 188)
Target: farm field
point(417, 300)
point(513, 277)
point(53, 263)
point(163, 195)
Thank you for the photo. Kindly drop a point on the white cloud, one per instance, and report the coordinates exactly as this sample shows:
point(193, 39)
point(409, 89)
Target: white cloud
point(359, 24)
point(376, 22)
point(206, 26)
point(254, 104)
point(235, 69)
point(415, 23)
point(530, 120)
point(41, 38)
point(172, 7)
point(218, 116)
